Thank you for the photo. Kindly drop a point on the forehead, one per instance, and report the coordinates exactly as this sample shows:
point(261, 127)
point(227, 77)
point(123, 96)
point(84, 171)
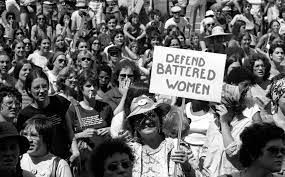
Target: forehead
point(126, 70)
point(117, 157)
point(4, 57)
point(276, 142)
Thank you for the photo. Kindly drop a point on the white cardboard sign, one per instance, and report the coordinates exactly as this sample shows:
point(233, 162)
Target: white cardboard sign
point(187, 73)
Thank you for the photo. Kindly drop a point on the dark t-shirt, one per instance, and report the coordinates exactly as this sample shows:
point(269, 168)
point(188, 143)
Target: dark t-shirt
point(100, 117)
point(113, 97)
point(55, 111)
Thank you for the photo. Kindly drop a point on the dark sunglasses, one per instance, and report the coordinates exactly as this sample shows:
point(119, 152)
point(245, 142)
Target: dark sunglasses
point(19, 33)
point(275, 150)
point(27, 43)
point(85, 58)
point(125, 75)
point(211, 24)
point(62, 61)
point(115, 166)
point(142, 118)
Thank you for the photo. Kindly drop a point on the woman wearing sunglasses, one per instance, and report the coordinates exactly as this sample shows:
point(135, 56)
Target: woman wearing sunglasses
point(58, 62)
point(85, 61)
point(262, 151)
point(152, 150)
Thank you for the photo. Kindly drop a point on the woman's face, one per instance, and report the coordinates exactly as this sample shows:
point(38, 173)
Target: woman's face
point(118, 165)
point(59, 42)
point(96, 45)
point(232, 66)
point(10, 107)
point(37, 145)
point(19, 35)
point(148, 125)
point(135, 20)
point(119, 39)
point(41, 20)
point(45, 45)
point(154, 42)
point(135, 48)
point(278, 55)
point(181, 39)
point(104, 79)
point(20, 49)
point(82, 46)
point(89, 90)
point(112, 24)
point(245, 41)
point(174, 43)
point(9, 153)
point(279, 3)
point(25, 70)
point(195, 40)
point(103, 29)
point(124, 75)
point(259, 69)
point(210, 26)
point(242, 29)
point(39, 89)
point(272, 155)
point(85, 61)
point(66, 19)
point(275, 27)
point(28, 45)
point(247, 8)
point(71, 80)
point(60, 62)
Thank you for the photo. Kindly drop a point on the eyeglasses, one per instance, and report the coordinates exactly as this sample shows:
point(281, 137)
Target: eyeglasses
point(104, 77)
point(41, 18)
point(62, 61)
point(12, 103)
point(27, 43)
point(19, 33)
point(115, 166)
point(126, 75)
point(211, 24)
point(275, 150)
point(11, 18)
point(85, 58)
point(96, 43)
point(32, 135)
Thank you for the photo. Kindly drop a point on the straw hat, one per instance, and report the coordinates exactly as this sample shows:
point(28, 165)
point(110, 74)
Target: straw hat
point(218, 31)
point(8, 130)
point(143, 104)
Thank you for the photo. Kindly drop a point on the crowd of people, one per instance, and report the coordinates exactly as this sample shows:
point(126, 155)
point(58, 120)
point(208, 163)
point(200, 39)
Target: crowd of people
point(75, 100)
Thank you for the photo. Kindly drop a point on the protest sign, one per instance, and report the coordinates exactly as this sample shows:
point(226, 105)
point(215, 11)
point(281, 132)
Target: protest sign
point(187, 73)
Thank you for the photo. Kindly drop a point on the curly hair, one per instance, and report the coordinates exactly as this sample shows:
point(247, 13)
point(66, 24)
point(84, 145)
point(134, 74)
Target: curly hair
point(273, 47)
point(83, 78)
point(115, 33)
point(107, 149)
point(255, 138)
point(250, 64)
point(125, 64)
point(236, 29)
point(9, 91)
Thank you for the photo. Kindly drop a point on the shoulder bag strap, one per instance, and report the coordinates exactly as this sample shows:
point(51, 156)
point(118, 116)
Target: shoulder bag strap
point(54, 166)
point(76, 105)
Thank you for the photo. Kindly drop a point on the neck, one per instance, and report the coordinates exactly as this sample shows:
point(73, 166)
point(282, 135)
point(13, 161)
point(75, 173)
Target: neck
point(87, 103)
point(41, 104)
point(20, 85)
point(259, 80)
point(256, 171)
point(38, 157)
point(177, 20)
point(154, 141)
point(55, 71)
point(18, 58)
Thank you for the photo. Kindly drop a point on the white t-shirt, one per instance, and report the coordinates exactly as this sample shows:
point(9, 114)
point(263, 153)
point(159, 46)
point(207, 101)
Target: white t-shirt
point(181, 25)
point(43, 166)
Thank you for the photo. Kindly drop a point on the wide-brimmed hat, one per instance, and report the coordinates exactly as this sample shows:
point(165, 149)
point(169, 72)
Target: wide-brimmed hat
point(209, 13)
point(218, 31)
point(175, 9)
point(143, 104)
point(81, 3)
point(8, 130)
